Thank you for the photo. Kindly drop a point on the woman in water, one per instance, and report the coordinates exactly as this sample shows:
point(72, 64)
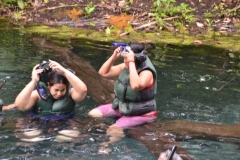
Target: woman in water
point(58, 93)
point(135, 88)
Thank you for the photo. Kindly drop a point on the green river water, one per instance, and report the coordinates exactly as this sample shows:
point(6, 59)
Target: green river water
point(195, 83)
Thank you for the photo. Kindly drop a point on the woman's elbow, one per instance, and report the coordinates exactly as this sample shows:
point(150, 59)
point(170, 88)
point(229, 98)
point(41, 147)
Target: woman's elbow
point(84, 89)
point(136, 87)
point(19, 107)
point(84, 93)
point(101, 74)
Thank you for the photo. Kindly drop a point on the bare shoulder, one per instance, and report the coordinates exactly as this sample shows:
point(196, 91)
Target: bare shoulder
point(147, 73)
point(147, 77)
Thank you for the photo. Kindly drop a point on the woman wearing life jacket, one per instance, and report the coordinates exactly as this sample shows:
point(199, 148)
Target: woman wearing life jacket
point(134, 89)
point(57, 93)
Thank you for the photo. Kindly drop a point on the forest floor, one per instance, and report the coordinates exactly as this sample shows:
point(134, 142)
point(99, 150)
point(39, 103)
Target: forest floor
point(121, 14)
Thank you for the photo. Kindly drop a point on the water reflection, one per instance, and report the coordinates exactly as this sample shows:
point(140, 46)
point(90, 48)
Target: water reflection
point(198, 84)
point(211, 150)
point(196, 87)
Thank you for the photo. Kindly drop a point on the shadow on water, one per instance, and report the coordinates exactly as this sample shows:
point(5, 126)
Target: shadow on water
point(195, 84)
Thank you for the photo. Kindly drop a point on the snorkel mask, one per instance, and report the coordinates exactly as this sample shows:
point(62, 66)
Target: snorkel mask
point(126, 48)
point(45, 66)
point(41, 86)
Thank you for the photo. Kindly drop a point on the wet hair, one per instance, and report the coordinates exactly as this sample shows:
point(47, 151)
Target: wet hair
point(55, 77)
point(137, 48)
point(167, 153)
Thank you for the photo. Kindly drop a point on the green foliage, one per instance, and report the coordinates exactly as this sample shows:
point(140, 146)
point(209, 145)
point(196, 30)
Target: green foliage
point(219, 11)
point(166, 8)
point(20, 4)
point(209, 23)
point(129, 1)
point(108, 31)
point(8, 1)
point(92, 23)
point(90, 8)
point(237, 25)
point(17, 15)
point(208, 14)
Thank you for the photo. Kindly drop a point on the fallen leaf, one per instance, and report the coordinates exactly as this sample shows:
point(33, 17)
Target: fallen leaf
point(74, 14)
point(198, 42)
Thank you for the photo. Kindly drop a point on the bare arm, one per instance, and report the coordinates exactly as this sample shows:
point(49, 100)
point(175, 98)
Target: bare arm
point(108, 70)
point(8, 107)
point(137, 81)
point(27, 98)
point(79, 90)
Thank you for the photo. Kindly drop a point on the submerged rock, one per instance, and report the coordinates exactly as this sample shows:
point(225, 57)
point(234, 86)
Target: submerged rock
point(69, 133)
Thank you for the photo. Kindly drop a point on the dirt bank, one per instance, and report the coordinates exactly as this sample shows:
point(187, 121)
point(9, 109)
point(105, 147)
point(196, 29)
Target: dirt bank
point(74, 13)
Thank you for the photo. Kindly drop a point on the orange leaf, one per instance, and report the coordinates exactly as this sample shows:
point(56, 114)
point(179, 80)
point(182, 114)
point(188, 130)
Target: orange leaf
point(74, 14)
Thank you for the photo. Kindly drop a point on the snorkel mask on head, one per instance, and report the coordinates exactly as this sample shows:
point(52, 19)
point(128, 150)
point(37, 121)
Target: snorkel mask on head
point(126, 48)
point(41, 86)
point(45, 66)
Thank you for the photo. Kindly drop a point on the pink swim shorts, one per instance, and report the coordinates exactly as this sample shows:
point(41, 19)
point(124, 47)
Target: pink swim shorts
point(126, 121)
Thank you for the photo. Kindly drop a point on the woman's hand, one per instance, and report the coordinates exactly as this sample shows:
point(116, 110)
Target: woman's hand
point(129, 55)
point(35, 73)
point(27, 98)
point(117, 52)
point(56, 66)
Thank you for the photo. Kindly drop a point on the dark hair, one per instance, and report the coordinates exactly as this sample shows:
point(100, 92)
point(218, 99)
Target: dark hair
point(55, 77)
point(137, 48)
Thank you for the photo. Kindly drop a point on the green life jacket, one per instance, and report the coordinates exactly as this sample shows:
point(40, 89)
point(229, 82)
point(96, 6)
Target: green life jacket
point(49, 105)
point(132, 102)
